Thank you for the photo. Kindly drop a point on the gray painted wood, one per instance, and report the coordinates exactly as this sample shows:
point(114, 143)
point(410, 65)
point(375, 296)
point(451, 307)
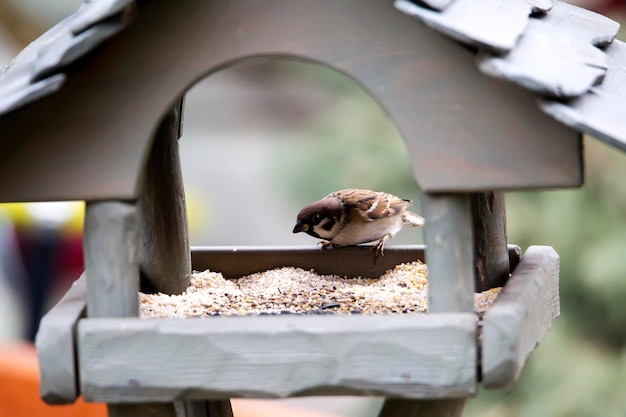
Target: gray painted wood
point(426, 82)
point(492, 24)
point(520, 317)
point(349, 261)
point(412, 356)
point(491, 253)
point(111, 240)
point(437, 4)
point(449, 407)
point(558, 54)
point(164, 256)
point(599, 113)
point(56, 348)
point(94, 12)
point(450, 252)
point(34, 73)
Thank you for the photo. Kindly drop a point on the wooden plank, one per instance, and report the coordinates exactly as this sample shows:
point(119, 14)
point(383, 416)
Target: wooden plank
point(352, 261)
point(349, 261)
point(412, 356)
point(600, 113)
point(450, 255)
point(492, 24)
point(491, 254)
point(520, 317)
point(449, 407)
point(111, 241)
point(164, 257)
point(559, 54)
point(56, 349)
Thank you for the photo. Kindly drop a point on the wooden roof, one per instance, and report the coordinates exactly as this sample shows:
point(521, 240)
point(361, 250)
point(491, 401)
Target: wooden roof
point(79, 106)
point(565, 54)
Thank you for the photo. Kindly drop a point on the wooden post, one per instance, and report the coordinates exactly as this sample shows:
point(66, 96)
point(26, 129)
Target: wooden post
point(164, 255)
point(491, 252)
point(449, 241)
point(111, 268)
point(449, 252)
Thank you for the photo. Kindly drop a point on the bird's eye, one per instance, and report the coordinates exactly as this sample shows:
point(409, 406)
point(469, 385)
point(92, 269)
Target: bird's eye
point(316, 219)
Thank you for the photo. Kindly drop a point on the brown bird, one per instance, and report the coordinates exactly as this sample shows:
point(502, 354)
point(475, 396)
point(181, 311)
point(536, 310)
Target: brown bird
point(350, 217)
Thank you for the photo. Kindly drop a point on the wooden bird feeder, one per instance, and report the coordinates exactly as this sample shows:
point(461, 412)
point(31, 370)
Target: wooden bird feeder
point(92, 111)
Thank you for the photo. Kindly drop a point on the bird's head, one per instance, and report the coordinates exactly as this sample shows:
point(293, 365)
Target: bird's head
point(320, 219)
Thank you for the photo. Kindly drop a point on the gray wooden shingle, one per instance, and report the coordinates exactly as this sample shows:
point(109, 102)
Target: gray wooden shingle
point(602, 111)
point(557, 54)
point(37, 70)
point(92, 12)
point(492, 24)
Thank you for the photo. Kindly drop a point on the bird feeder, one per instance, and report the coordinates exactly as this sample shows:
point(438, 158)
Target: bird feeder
point(488, 99)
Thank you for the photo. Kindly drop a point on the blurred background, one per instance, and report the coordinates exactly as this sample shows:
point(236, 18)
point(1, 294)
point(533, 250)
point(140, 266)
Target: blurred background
point(265, 137)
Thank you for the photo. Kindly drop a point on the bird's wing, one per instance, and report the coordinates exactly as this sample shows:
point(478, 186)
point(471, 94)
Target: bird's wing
point(371, 205)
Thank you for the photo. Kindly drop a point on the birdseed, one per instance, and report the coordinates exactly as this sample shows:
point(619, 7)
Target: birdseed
point(290, 290)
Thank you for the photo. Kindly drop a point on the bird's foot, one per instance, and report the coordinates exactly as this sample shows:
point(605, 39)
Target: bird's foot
point(325, 245)
point(379, 248)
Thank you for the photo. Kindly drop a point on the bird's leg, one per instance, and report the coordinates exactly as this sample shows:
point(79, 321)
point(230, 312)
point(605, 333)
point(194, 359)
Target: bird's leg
point(380, 247)
point(325, 245)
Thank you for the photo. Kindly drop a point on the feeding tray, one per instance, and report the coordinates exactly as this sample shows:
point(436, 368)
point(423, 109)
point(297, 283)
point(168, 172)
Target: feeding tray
point(400, 355)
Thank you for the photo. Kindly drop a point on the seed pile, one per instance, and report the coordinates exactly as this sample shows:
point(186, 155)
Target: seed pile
point(289, 290)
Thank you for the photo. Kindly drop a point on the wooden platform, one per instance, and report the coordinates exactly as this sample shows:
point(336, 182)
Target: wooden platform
point(409, 356)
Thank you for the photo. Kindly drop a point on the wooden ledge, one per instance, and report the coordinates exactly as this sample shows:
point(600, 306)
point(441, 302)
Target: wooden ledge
point(521, 316)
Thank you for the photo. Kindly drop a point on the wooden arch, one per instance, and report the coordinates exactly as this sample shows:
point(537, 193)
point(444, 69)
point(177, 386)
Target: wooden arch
point(464, 132)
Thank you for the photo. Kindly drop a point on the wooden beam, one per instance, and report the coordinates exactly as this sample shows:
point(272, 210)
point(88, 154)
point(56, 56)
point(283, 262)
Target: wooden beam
point(491, 252)
point(410, 356)
point(450, 253)
point(349, 261)
point(56, 348)
point(111, 240)
point(164, 256)
point(521, 316)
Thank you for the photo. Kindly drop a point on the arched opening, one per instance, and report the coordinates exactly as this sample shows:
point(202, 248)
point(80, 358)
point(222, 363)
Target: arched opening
point(265, 136)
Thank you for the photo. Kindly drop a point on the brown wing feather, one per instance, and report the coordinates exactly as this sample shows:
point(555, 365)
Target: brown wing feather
point(371, 205)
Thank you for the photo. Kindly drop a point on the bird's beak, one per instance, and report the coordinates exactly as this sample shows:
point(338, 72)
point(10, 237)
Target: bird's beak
point(300, 227)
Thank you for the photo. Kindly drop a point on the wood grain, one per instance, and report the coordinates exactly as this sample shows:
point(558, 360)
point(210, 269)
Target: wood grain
point(450, 252)
point(56, 346)
point(413, 356)
point(491, 254)
point(521, 316)
point(111, 266)
point(164, 257)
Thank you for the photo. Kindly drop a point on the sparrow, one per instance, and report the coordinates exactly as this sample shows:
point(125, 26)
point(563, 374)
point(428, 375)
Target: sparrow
point(350, 217)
